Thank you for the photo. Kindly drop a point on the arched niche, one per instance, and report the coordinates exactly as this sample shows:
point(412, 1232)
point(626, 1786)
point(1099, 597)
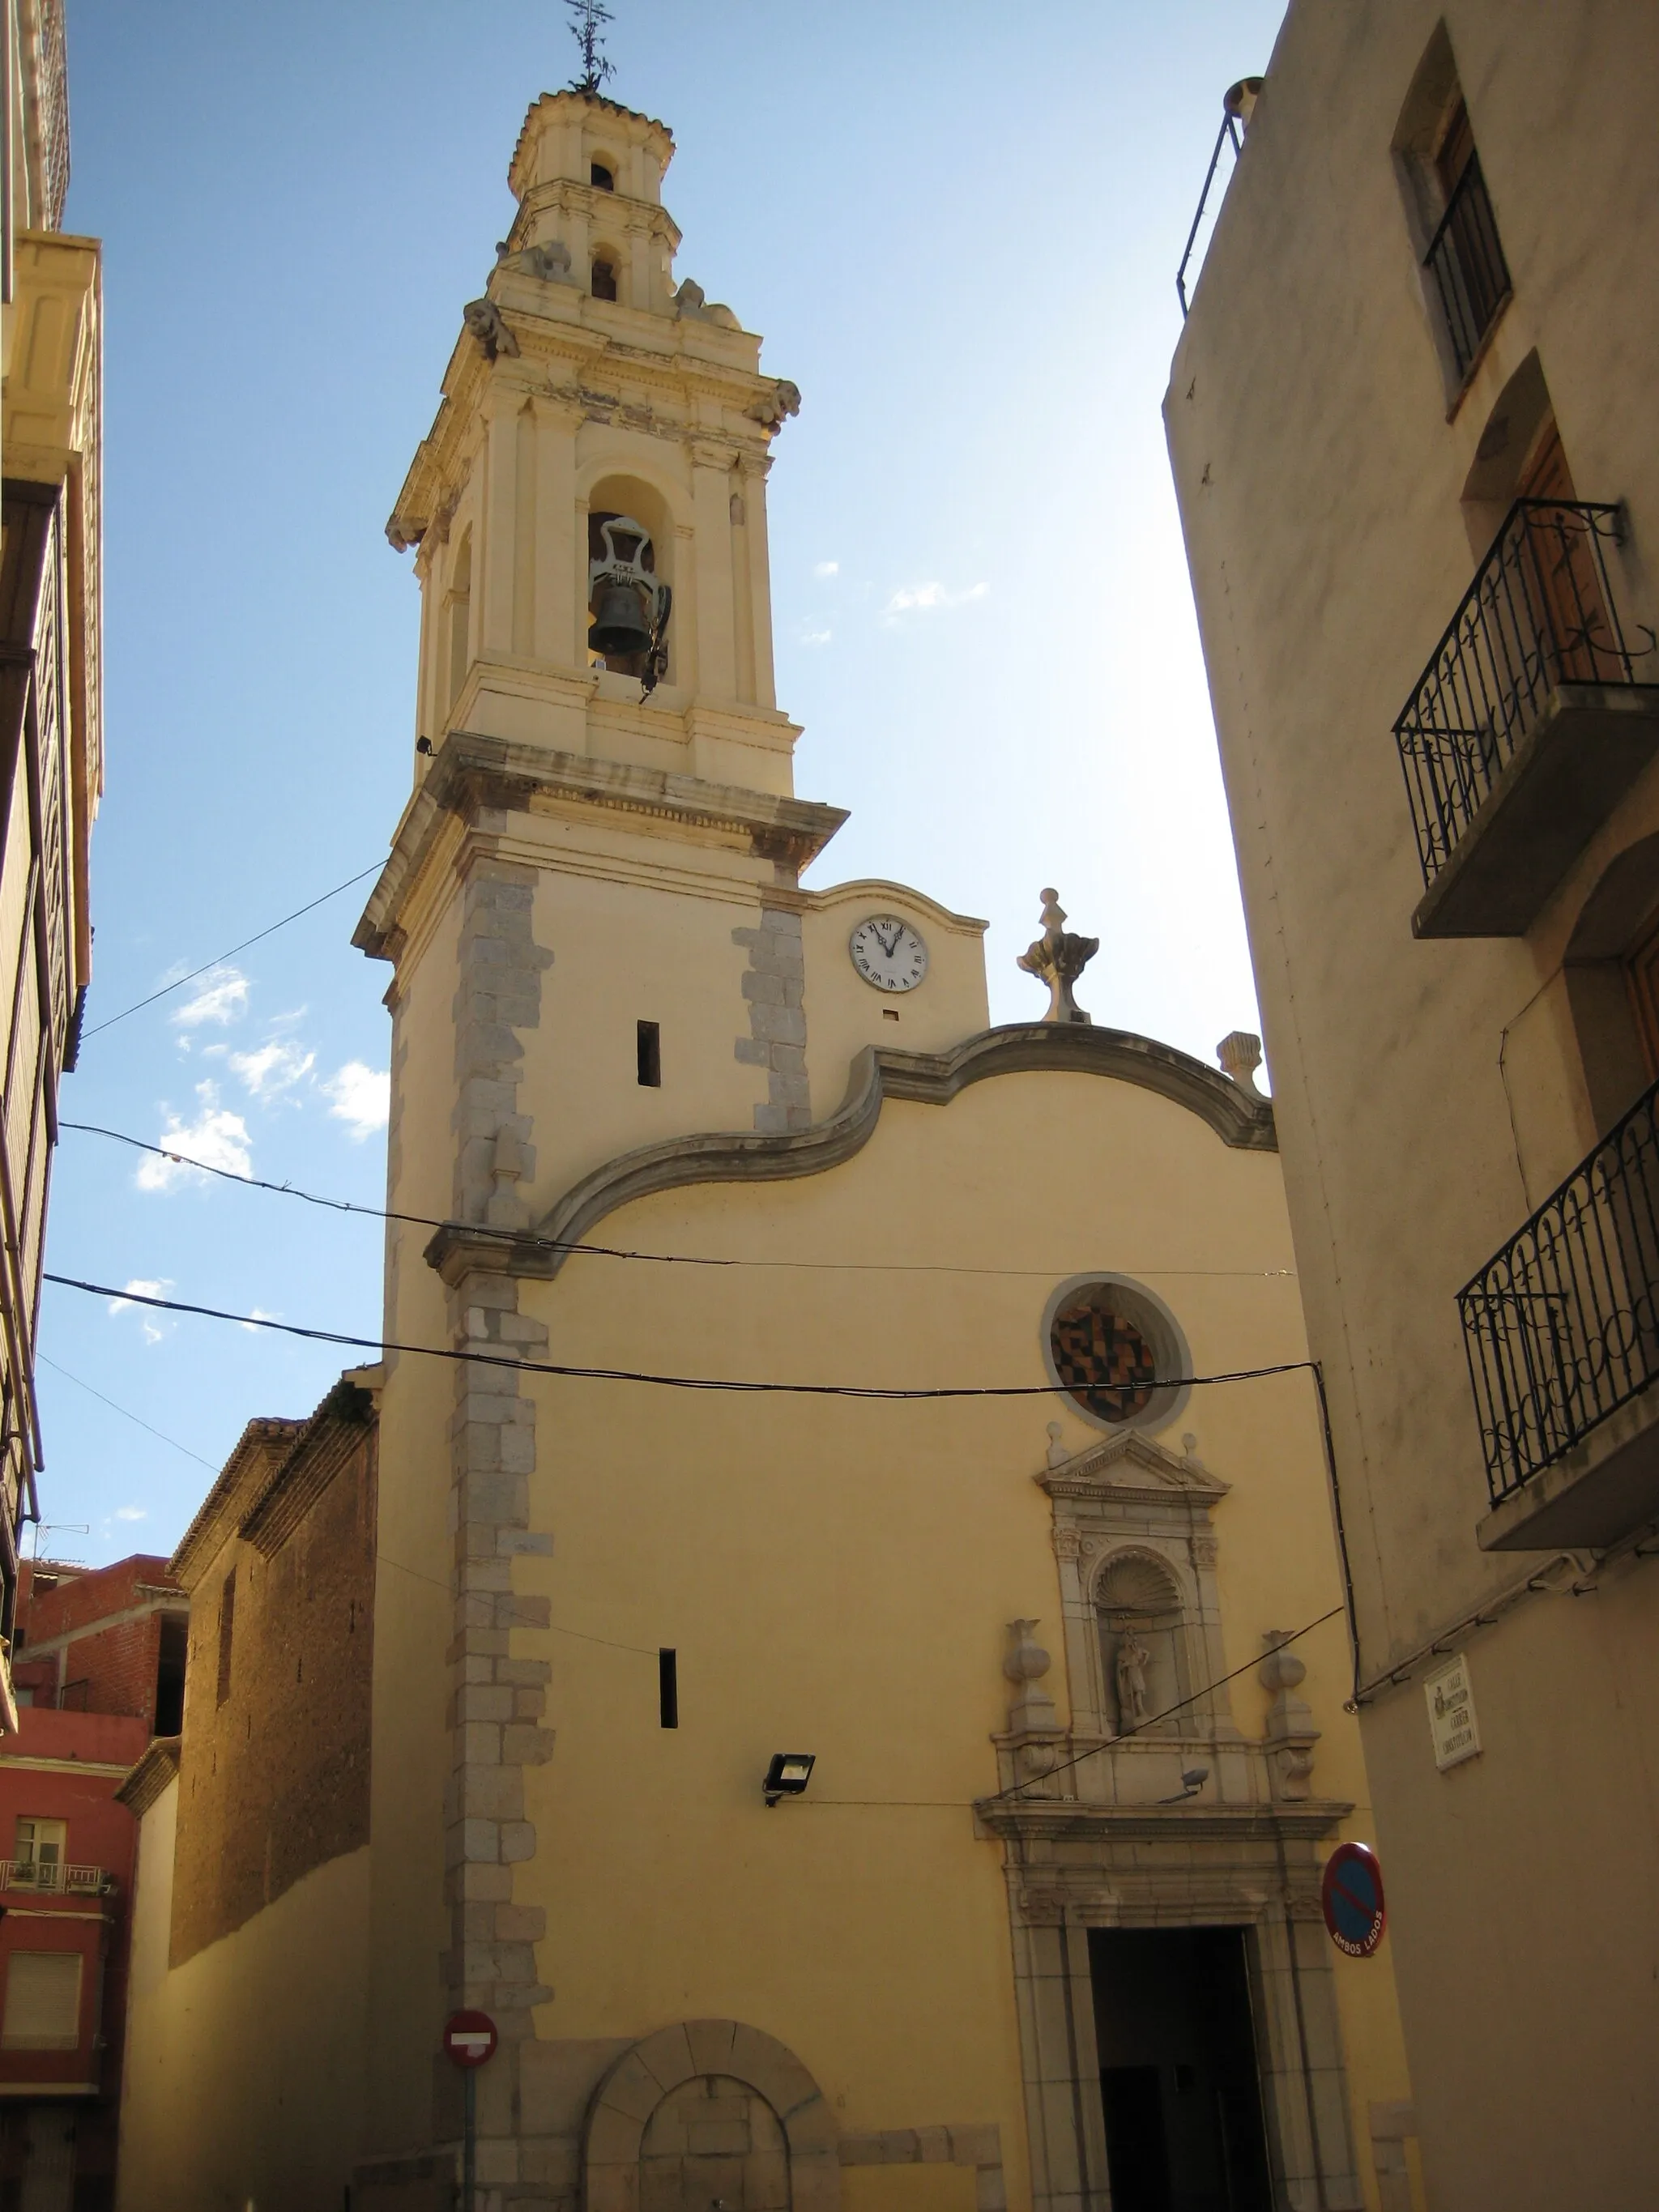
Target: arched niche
point(1140, 1606)
point(639, 2154)
point(1520, 416)
point(1614, 928)
point(625, 492)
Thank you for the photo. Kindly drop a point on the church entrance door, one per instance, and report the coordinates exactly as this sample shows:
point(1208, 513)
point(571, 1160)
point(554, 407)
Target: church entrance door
point(1178, 2079)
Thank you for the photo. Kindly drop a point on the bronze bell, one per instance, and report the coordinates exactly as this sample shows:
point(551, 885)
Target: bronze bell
point(620, 629)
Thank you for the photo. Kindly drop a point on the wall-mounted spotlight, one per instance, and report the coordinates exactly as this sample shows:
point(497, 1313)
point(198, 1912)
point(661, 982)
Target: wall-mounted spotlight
point(789, 1774)
point(1192, 1781)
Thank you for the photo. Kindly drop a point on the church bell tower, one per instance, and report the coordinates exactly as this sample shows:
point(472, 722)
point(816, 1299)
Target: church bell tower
point(589, 511)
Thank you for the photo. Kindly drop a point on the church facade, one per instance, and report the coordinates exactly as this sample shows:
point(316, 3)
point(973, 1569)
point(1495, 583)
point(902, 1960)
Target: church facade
point(906, 1787)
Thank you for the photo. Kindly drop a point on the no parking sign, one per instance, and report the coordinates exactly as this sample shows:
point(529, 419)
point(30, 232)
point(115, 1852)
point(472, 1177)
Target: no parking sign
point(1352, 1899)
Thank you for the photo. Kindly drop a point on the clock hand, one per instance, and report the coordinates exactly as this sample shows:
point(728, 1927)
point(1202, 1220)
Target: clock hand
point(890, 946)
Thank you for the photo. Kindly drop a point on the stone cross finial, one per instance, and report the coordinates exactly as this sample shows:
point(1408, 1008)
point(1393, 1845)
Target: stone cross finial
point(1058, 958)
point(1240, 1054)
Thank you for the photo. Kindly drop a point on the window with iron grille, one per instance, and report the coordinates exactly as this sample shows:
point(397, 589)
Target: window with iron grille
point(1448, 210)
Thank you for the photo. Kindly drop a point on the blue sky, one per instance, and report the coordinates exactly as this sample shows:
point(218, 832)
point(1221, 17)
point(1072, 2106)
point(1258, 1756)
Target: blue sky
point(957, 228)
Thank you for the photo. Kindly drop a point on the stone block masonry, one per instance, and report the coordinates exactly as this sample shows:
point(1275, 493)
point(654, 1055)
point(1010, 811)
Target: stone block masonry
point(775, 987)
point(497, 1701)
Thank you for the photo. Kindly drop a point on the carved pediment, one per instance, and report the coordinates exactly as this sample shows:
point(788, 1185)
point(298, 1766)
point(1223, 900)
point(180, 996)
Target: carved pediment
point(1130, 1466)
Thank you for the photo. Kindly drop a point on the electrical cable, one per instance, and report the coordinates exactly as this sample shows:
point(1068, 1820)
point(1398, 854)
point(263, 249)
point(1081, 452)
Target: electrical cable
point(1018, 1789)
point(635, 1375)
point(613, 1252)
point(179, 982)
point(554, 1628)
point(211, 1464)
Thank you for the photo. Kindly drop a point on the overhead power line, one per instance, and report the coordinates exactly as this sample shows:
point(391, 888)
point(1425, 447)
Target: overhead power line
point(523, 1236)
point(127, 1414)
point(879, 1393)
point(179, 982)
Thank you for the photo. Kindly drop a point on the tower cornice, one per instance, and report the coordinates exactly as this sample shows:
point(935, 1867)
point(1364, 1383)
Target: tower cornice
point(473, 775)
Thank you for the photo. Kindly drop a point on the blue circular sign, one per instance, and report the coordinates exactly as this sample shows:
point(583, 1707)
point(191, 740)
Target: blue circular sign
point(1351, 1897)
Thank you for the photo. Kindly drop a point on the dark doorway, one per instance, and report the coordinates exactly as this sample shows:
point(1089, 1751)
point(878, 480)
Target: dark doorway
point(1178, 2081)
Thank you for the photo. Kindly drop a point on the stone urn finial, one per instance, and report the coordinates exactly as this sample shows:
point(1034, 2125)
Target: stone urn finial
point(1058, 958)
point(1240, 1054)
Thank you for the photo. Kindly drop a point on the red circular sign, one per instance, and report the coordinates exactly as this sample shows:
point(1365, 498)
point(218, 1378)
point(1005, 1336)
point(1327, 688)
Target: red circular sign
point(470, 2038)
point(1351, 1896)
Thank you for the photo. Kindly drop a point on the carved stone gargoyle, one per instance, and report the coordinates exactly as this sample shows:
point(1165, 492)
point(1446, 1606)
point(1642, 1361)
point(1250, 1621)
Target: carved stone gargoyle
point(483, 319)
point(1058, 958)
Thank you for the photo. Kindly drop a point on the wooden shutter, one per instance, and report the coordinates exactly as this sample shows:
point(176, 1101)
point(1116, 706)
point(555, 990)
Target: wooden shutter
point(43, 2001)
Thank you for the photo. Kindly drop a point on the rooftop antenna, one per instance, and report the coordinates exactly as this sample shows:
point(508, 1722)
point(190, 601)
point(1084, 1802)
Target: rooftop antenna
point(588, 19)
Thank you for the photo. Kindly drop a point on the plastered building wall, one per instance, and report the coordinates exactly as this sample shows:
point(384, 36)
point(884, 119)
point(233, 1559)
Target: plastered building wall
point(217, 2087)
point(1336, 496)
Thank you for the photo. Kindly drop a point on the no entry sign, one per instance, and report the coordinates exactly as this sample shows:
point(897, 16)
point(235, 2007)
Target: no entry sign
point(1351, 1896)
point(468, 2038)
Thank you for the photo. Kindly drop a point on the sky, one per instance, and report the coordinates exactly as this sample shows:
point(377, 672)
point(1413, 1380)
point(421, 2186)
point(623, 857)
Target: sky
point(956, 228)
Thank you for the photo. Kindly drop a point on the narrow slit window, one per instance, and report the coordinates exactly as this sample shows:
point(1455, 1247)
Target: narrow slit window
point(668, 1687)
point(648, 1055)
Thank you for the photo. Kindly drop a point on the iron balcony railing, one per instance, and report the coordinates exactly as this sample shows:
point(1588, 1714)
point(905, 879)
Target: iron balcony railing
point(1540, 612)
point(1562, 1326)
point(53, 1878)
point(1466, 261)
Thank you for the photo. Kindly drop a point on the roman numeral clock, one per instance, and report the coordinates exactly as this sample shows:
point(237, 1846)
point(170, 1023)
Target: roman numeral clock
point(888, 953)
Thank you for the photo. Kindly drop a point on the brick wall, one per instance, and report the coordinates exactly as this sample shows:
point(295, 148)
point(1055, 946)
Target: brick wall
point(274, 1776)
point(110, 1668)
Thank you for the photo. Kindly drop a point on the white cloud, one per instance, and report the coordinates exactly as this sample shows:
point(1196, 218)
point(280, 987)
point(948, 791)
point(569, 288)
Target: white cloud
point(275, 1066)
point(359, 1096)
point(130, 1513)
point(826, 568)
point(223, 998)
point(216, 1138)
point(913, 599)
point(257, 1314)
point(817, 637)
point(151, 1327)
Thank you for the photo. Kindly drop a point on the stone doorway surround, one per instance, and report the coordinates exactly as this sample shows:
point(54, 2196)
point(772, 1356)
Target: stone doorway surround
point(1071, 1866)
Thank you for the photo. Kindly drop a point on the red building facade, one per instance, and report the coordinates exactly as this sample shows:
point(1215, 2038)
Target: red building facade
point(98, 1671)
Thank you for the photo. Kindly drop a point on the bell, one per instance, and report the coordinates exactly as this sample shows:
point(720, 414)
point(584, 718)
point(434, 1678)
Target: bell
point(620, 629)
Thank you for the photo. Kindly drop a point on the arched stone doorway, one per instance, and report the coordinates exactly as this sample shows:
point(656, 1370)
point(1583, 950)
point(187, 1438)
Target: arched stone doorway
point(709, 2116)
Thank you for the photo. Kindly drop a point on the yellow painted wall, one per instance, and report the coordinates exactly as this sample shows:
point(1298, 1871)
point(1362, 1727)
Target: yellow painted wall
point(243, 2080)
point(836, 1576)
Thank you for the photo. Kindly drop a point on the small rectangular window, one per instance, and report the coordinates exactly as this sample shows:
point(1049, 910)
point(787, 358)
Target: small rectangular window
point(648, 1055)
point(227, 1631)
point(668, 1688)
point(43, 2001)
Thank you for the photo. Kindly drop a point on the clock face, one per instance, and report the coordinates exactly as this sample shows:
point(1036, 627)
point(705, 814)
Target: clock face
point(889, 953)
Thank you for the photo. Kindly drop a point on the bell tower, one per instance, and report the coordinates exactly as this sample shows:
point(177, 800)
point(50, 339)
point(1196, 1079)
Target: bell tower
point(589, 510)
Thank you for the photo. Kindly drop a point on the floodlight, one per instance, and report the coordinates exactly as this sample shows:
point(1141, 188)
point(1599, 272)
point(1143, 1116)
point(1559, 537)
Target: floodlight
point(789, 1774)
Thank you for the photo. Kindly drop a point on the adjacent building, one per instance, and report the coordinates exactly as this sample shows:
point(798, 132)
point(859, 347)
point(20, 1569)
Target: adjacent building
point(1410, 426)
point(50, 705)
point(852, 1789)
point(100, 1673)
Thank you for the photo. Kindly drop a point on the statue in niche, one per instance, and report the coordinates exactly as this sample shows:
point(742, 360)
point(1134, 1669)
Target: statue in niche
point(1132, 1660)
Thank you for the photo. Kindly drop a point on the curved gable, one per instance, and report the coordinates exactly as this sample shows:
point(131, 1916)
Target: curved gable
point(921, 1078)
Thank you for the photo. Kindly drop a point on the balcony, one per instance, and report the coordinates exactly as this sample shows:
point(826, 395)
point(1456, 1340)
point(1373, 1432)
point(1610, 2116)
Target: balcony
point(47, 1878)
point(1528, 723)
point(1561, 1328)
point(1465, 266)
